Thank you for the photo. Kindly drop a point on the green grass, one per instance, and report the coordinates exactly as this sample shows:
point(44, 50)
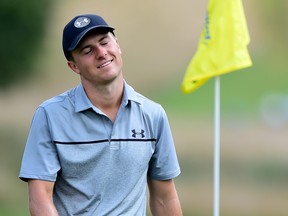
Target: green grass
point(16, 210)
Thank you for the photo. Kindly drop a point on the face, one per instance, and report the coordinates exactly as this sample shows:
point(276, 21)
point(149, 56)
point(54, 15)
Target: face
point(97, 59)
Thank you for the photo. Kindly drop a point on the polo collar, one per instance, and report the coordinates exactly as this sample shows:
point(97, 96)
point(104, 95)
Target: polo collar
point(129, 94)
point(82, 102)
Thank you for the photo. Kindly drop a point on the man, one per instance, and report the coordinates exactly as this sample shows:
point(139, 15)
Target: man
point(93, 149)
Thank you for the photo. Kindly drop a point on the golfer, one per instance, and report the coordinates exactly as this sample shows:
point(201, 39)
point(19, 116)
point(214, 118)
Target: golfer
point(93, 149)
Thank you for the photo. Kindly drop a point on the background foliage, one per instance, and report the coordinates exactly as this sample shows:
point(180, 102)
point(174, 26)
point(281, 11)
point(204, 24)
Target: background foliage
point(22, 29)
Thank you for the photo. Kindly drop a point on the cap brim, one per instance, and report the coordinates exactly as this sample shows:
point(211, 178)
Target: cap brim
point(77, 40)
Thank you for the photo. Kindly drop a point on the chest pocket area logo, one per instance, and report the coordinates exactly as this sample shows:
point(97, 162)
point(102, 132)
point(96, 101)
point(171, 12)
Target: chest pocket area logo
point(138, 133)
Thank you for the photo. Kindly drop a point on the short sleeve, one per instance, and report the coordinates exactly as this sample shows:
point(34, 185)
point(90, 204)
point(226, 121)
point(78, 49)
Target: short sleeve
point(40, 160)
point(164, 163)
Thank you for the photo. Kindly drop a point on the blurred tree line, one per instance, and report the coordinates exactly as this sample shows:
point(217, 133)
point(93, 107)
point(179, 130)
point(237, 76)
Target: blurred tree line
point(22, 29)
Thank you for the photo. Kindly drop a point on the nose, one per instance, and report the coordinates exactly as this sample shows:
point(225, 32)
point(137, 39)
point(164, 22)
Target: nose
point(101, 52)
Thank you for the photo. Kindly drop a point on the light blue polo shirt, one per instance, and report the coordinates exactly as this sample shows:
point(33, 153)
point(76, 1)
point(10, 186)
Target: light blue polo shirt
point(99, 167)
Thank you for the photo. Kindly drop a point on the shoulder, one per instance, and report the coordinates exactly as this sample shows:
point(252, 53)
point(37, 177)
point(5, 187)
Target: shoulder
point(147, 105)
point(151, 110)
point(133, 95)
point(145, 101)
point(58, 100)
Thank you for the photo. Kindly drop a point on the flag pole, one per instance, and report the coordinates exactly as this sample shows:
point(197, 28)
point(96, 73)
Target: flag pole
point(225, 27)
point(216, 181)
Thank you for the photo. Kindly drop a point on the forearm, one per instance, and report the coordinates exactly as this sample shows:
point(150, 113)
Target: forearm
point(41, 198)
point(43, 208)
point(168, 207)
point(164, 199)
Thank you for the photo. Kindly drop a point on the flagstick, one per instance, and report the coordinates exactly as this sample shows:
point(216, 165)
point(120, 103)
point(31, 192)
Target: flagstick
point(217, 148)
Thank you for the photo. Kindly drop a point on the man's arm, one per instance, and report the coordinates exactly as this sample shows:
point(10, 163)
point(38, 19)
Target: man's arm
point(164, 200)
point(41, 198)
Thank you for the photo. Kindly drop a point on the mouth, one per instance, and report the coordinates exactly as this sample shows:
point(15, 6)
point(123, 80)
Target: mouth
point(105, 64)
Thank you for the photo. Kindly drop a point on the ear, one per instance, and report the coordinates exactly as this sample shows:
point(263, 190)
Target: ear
point(73, 66)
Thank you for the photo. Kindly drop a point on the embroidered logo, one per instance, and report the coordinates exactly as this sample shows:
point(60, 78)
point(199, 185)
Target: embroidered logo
point(81, 22)
point(207, 27)
point(137, 133)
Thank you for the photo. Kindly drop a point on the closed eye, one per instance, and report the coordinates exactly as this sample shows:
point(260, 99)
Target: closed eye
point(104, 41)
point(86, 50)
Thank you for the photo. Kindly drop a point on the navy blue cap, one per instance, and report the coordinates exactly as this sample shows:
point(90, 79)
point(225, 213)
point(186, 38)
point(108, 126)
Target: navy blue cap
point(78, 27)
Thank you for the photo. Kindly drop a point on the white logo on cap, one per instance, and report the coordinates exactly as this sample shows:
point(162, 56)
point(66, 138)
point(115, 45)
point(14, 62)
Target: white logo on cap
point(81, 22)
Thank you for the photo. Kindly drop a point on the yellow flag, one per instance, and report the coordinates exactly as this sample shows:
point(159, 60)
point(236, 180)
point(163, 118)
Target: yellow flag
point(223, 44)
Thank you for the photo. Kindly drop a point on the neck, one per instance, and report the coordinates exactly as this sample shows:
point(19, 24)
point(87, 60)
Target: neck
point(106, 97)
